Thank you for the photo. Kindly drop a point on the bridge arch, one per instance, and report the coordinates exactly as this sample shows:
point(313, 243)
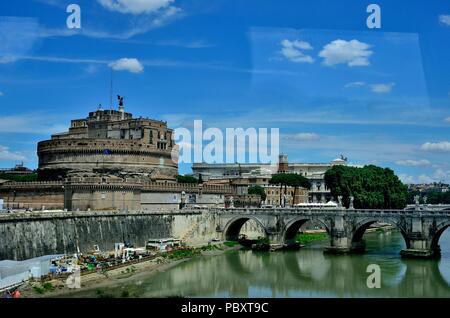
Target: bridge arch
point(233, 227)
point(291, 228)
point(361, 226)
point(440, 228)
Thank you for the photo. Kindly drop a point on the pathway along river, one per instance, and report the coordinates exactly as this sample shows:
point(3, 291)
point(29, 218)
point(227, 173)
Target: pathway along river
point(304, 273)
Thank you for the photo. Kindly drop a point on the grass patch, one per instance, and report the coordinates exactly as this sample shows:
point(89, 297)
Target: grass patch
point(44, 288)
point(176, 254)
point(39, 290)
point(129, 270)
point(306, 238)
point(209, 248)
point(102, 294)
point(230, 243)
point(48, 286)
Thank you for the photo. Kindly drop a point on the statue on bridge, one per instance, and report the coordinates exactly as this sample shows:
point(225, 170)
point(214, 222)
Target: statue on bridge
point(417, 201)
point(340, 201)
point(351, 203)
point(231, 202)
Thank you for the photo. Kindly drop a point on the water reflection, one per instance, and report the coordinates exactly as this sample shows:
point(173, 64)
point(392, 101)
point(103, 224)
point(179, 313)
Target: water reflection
point(304, 273)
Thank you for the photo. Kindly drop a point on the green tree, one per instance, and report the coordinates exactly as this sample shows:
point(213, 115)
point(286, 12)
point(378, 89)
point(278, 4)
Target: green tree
point(433, 197)
point(298, 181)
point(289, 179)
point(186, 179)
point(23, 178)
point(280, 179)
point(372, 187)
point(258, 190)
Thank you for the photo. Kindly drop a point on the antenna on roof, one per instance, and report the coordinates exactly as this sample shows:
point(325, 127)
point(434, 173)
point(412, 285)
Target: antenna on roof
point(111, 91)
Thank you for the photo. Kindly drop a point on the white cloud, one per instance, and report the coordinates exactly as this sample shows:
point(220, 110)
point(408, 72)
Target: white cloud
point(135, 6)
point(438, 175)
point(1, 94)
point(198, 44)
point(18, 36)
point(354, 84)
point(32, 123)
point(352, 53)
point(382, 88)
point(127, 64)
point(445, 18)
point(292, 51)
point(423, 178)
point(406, 178)
point(447, 120)
point(6, 154)
point(302, 137)
point(443, 146)
point(413, 163)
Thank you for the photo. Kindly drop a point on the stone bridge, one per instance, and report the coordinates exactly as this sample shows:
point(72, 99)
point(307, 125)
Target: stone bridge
point(421, 228)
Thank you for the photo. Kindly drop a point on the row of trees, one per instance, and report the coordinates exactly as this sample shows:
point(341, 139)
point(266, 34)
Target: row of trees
point(23, 178)
point(188, 179)
point(372, 187)
point(433, 197)
point(283, 180)
point(290, 180)
point(258, 190)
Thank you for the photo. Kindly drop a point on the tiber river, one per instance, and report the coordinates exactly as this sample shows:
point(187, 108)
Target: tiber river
point(304, 273)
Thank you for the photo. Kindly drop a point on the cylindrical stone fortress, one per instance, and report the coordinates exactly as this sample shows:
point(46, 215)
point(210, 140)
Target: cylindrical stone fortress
point(109, 142)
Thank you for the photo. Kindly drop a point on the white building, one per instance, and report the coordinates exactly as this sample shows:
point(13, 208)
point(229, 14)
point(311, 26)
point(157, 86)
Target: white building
point(315, 172)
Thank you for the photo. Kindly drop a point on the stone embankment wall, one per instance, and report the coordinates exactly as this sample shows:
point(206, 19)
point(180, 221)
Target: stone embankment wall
point(33, 234)
point(28, 235)
point(103, 195)
point(33, 195)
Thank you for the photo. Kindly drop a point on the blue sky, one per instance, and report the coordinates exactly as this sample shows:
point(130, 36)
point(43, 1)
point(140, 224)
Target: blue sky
point(311, 68)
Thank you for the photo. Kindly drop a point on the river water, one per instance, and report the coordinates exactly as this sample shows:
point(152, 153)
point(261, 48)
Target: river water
point(304, 273)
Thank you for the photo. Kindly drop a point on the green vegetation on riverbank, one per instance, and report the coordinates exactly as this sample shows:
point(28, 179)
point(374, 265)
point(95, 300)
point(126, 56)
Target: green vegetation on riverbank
point(190, 252)
point(45, 287)
point(306, 238)
point(181, 253)
point(230, 243)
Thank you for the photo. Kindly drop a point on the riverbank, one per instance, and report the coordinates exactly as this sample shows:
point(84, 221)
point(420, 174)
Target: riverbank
point(312, 236)
point(94, 282)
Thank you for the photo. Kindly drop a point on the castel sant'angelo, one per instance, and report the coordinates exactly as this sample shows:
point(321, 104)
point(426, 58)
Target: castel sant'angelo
point(109, 143)
point(109, 161)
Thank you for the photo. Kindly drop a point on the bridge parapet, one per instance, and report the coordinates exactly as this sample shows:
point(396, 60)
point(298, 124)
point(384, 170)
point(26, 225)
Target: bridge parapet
point(421, 229)
point(337, 210)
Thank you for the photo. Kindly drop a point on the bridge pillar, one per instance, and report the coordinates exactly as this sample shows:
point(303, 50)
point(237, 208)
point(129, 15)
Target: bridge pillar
point(418, 242)
point(419, 248)
point(276, 240)
point(340, 243)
